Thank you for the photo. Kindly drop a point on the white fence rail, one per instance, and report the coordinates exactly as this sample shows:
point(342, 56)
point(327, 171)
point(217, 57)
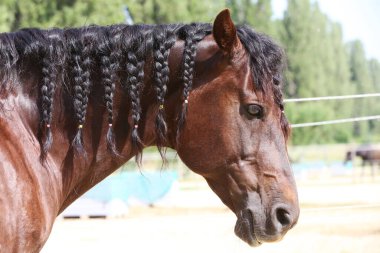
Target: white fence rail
point(337, 121)
point(293, 100)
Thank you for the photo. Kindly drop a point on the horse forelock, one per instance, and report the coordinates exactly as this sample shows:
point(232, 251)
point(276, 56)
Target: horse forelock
point(267, 64)
point(70, 54)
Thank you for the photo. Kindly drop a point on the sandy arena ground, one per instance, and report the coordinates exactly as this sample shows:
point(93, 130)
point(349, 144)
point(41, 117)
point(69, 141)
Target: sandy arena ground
point(326, 225)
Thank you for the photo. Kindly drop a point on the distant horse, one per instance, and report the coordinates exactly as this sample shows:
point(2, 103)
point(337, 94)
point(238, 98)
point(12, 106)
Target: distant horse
point(370, 156)
point(78, 103)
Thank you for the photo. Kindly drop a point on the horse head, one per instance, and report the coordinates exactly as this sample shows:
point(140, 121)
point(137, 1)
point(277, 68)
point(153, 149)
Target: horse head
point(349, 157)
point(235, 132)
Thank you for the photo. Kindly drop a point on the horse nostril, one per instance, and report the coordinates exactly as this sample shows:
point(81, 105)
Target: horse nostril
point(283, 217)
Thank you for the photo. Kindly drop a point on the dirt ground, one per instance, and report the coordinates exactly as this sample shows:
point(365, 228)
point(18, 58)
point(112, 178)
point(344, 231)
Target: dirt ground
point(339, 216)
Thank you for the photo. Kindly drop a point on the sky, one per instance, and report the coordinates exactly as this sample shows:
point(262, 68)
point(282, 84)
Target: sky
point(360, 19)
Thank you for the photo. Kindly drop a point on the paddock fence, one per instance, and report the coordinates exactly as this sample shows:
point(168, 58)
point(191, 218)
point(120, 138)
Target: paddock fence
point(337, 121)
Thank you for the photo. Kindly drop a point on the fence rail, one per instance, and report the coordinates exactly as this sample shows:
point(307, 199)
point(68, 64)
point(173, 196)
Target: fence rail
point(337, 121)
point(293, 100)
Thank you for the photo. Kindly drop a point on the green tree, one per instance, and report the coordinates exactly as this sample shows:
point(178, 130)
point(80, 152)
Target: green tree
point(257, 13)
point(173, 11)
point(318, 65)
point(374, 70)
point(339, 83)
point(63, 13)
point(360, 77)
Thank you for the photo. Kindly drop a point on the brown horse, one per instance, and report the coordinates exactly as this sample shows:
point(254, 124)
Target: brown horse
point(104, 93)
point(369, 154)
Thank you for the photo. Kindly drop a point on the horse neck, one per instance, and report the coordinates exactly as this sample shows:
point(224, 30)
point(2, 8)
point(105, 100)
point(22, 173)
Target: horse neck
point(71, 173)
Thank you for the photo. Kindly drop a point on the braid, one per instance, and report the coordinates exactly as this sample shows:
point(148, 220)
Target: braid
point(82, 86)
point(78, 98)
point(135, 71)
point(163, 41)
point(116, 52)
point(109, 77)
point(115, 57)
point(50, 66)
point(49, 74)
point(192, 34)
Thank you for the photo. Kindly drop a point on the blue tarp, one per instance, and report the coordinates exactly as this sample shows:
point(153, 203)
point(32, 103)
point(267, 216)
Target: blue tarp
point(336, 167)
point(148, 187)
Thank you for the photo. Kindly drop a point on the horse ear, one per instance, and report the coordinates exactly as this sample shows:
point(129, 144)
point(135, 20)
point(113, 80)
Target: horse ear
point(224, 31)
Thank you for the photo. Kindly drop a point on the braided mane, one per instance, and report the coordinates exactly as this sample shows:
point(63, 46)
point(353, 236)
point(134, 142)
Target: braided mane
point(71, 54)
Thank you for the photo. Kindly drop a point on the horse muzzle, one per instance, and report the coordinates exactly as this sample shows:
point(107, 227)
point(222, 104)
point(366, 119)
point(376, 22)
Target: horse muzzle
point(255, 228)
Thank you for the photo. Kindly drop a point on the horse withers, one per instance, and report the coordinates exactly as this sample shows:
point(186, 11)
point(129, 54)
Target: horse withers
point(78, 103)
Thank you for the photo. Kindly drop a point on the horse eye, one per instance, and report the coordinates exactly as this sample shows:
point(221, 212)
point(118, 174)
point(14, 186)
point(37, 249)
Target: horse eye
point(255, 110)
